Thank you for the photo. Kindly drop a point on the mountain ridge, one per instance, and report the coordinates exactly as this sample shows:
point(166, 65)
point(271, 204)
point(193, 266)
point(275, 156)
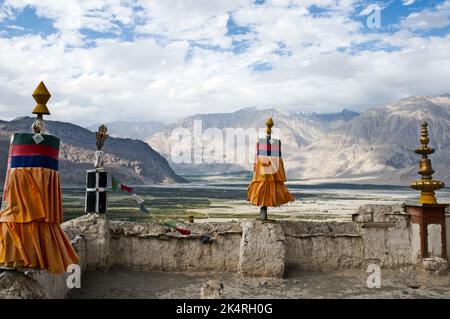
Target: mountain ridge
point(133, 130)
point(375, 146)
point(132, 161)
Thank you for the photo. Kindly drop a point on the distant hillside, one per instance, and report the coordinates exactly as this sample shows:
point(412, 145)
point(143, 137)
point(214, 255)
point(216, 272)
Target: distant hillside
point(376, 146)
point(297, 130)
point(132, 161)
point(134, 130)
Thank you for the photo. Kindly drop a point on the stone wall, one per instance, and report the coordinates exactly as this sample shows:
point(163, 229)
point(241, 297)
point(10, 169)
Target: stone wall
point(147, 246)
point(447, 226)
point(323, 245)
point(155, 247)
point(262, 249)
point(32, 284)
point(378, 234)
point(387, 238)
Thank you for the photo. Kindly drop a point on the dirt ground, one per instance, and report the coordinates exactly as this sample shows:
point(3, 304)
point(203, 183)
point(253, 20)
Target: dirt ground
point(120, 283)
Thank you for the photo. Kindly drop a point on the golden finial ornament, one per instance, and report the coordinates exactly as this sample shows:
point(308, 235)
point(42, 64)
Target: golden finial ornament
point(269, 125)
point(426, 184)
point(41, 95)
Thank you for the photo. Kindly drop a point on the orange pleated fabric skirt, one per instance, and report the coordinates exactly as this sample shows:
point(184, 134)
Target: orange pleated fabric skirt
point(30, 232)
point(267, 186)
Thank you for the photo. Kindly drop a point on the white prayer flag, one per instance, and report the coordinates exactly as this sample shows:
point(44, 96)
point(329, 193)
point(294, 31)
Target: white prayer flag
point(138, 199)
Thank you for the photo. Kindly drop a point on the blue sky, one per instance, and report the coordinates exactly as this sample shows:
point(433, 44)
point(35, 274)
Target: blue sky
point(170, 59)
point(25, 20)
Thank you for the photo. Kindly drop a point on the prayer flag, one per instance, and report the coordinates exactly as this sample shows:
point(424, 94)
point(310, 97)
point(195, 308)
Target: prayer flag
point(183, 231)
point(126, 188)
point(138, 199)
point(170, 223)
point(115, 183)
point(143, 209)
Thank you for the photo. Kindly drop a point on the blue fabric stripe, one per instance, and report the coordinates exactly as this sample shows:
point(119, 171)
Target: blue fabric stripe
point(34, 161)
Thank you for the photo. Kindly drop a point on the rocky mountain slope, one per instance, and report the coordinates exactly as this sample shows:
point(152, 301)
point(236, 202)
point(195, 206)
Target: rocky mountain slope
point(134, 130)
point(296, 130)
point(132, 161)
point(376, 146)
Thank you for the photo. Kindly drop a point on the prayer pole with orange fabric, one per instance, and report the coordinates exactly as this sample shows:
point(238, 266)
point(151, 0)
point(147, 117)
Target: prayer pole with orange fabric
point(267, 186)
point(31, 212)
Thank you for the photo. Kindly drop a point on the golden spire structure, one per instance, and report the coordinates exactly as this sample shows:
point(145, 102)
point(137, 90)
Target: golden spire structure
point(426, 184)
point(41, 95)
point(269, 125)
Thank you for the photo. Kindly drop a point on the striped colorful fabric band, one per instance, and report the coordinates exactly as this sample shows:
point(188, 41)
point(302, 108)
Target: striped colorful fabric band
point(36, 149)
point(26, 153)
point(27, 138)
point(34, 161)
point(267, 147)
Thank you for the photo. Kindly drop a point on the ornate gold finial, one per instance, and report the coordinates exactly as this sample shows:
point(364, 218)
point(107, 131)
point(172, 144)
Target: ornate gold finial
point(41, 95)
point(269, 125)
point(426, 184)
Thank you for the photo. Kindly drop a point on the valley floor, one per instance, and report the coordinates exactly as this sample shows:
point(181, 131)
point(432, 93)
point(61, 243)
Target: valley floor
point(226, 202)
point(120, 283)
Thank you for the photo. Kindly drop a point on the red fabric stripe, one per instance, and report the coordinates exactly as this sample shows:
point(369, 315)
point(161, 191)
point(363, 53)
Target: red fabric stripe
point(126, 188)
point(266, 147)
point(33, 150)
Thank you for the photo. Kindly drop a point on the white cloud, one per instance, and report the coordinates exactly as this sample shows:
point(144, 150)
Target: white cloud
point(5, 12)
point(408, 2)
point(151, 77)
point(15, 27)
point(426, 19)
point(201, 21)
point(70, 16)
point(444, 5)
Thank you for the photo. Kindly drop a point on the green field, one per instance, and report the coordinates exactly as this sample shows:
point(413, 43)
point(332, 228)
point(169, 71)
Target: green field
point(220, 198)
point(165, 202)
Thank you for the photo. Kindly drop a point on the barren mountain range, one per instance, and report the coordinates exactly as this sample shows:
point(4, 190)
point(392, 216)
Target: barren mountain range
point(131, 161)
point(134, 130)
point(376, 146)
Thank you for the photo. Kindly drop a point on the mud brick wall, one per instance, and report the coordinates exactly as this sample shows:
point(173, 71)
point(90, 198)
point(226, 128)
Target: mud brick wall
point(380, 234)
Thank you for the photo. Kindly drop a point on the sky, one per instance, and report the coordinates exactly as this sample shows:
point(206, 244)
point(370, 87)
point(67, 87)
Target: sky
point(163, 60)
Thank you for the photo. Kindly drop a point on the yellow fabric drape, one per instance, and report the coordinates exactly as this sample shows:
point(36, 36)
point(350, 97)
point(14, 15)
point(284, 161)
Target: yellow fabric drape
point(267, 186)
point(30, 232)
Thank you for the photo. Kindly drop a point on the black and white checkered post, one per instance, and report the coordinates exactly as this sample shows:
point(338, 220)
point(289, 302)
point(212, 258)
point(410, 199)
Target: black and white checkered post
point(96, 191)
